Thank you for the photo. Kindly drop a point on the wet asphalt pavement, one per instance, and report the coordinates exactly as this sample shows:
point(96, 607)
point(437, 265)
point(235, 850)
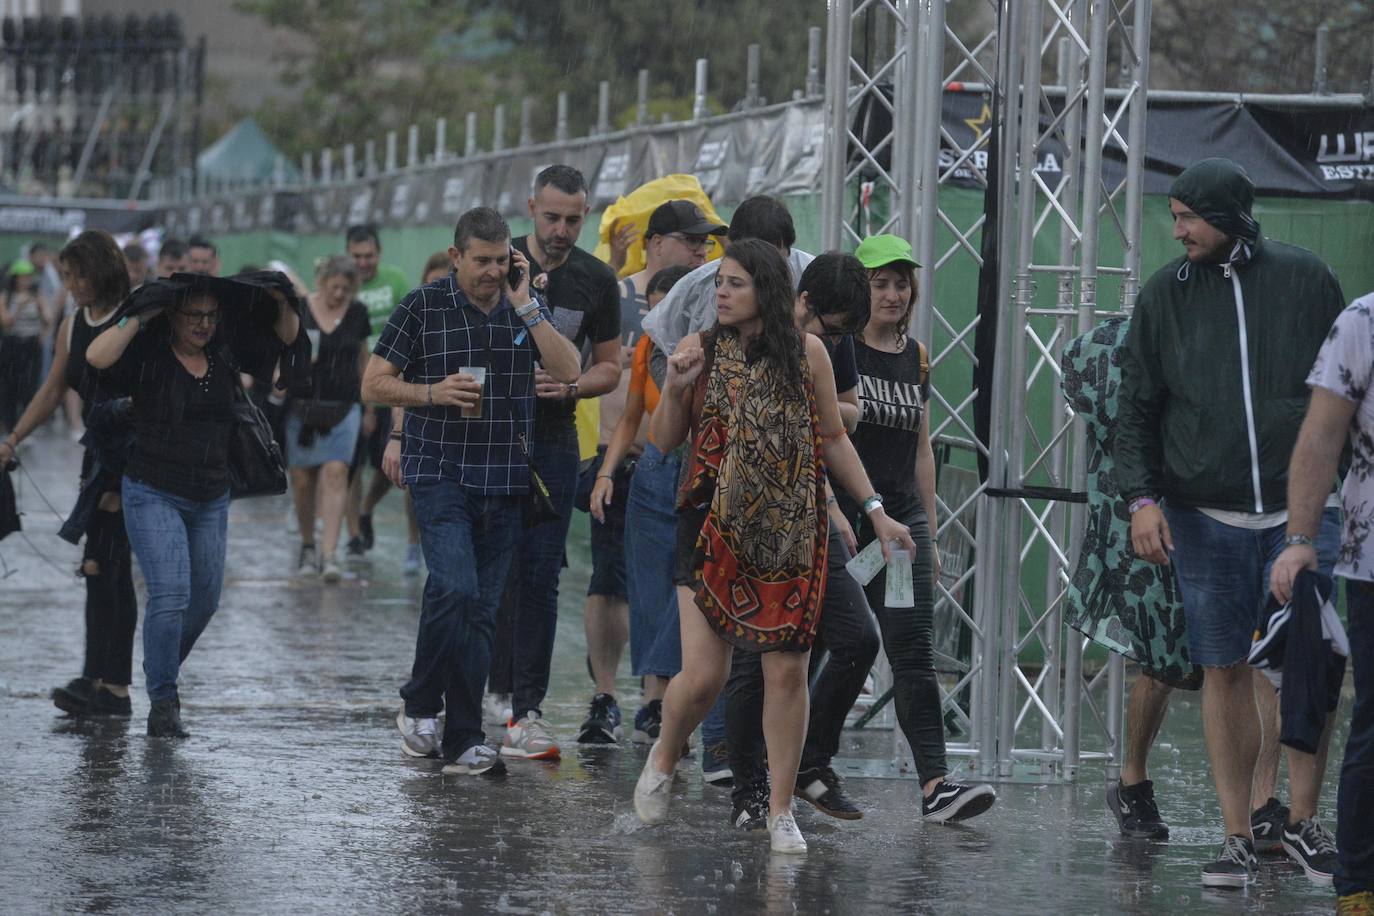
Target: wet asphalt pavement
point(293, 795)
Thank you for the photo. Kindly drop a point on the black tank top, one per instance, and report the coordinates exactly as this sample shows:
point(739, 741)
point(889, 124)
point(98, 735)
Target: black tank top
point(80, 377)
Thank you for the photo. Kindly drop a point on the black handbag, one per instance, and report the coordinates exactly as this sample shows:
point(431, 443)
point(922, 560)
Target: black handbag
point(537, 506)
point(256, 467)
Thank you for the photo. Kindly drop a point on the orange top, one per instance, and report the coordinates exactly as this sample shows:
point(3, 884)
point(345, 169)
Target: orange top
point(640, 379)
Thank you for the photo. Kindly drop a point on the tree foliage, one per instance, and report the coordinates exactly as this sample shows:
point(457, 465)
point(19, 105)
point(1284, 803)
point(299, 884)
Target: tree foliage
point(378, 65)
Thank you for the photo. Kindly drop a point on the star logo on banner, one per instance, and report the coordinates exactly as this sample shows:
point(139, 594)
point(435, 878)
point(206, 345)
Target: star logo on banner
point(979, 124)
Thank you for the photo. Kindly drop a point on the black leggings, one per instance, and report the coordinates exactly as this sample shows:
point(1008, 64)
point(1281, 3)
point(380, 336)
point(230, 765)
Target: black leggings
point(111, 606)
point(908, 641)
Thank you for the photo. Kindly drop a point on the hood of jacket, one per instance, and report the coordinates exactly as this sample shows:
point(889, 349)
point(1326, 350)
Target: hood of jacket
point(1219, 191)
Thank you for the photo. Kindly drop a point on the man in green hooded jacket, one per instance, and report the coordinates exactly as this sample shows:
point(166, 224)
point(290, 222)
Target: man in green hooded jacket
point(1213, 395)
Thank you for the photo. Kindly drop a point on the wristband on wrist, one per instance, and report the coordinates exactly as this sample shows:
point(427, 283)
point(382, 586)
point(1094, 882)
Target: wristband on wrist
point(396, 437)
point(605, 477)
point(527, 309)
point(1140, 502)
point(1298, 540)
point(873, 502)
point(534, 322)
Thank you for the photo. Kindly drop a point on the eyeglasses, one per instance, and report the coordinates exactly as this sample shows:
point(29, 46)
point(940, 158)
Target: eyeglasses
point(207, 318)
point(829, 332)
point(695, 242)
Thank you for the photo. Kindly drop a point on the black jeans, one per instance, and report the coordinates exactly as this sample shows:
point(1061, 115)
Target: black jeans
point(527, 621)
point(908, 641)
point(111, 605)
point(848, 633)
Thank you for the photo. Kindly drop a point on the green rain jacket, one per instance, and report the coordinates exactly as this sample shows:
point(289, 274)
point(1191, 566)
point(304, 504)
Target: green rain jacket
point(1216, 361)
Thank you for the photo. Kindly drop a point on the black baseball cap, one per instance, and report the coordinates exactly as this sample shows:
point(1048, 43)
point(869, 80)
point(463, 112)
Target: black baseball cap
point(682, 216)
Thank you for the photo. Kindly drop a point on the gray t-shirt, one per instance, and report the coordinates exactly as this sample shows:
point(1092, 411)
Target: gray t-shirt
point(690, 305)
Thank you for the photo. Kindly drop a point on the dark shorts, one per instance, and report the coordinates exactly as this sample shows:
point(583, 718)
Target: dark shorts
point(372, 448)
point(608, 555)
point(686, 564)
point(1223, 573)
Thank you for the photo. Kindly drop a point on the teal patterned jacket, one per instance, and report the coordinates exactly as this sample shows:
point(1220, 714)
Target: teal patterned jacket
point(1117, 600)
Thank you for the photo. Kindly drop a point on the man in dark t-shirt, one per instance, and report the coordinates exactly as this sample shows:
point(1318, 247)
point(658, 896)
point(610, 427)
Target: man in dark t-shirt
point(584, 300)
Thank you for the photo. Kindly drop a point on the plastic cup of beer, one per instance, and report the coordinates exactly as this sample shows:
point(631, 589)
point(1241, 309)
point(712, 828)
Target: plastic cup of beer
point(479, 373)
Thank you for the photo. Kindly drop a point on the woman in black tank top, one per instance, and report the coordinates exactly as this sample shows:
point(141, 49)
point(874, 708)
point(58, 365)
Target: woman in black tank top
point(94, 273)
point(893, 440)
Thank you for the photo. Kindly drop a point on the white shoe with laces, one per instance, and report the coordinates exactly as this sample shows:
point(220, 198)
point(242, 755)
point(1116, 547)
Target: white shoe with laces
point(496, 709)
point(784, 835)
point(419, 737)
point(529, 738)
point(653, 792)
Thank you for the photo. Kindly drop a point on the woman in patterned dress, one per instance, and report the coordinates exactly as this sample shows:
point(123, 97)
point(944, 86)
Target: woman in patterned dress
point(759, 399)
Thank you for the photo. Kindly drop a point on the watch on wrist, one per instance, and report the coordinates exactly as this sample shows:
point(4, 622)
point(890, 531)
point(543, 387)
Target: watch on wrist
point(572, 391)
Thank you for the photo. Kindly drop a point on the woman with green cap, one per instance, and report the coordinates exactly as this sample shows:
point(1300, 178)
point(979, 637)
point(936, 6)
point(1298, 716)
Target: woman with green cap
point(893, 441)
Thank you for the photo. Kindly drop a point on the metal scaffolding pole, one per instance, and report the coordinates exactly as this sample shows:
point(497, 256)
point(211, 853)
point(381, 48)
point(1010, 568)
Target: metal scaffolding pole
point(1028, 699)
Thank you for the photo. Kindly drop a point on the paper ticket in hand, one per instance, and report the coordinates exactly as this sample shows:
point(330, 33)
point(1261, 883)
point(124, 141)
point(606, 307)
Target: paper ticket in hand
point(867, 564)
point(899, 589)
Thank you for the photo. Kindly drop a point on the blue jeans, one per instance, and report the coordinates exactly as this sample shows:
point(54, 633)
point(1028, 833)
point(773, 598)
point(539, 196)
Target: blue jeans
point(1355, 800)
point(1223, 573)
point(467, 540)
point(180, 546)
point(528, 619)
point(651, 539)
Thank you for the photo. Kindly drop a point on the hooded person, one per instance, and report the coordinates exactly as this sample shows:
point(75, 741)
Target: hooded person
point(1213, 393)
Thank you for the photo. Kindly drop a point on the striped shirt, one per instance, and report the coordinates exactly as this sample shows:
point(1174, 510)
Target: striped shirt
point(434, 333)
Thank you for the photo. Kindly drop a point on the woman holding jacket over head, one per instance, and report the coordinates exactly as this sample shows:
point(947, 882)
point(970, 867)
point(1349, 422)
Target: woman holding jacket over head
point(182, 372)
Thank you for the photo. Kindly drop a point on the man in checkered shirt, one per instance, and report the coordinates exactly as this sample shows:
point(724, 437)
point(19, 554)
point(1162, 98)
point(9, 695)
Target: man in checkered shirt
point(467, 474)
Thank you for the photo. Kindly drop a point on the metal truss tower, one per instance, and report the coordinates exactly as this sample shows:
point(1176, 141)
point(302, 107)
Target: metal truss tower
point(1067, 246)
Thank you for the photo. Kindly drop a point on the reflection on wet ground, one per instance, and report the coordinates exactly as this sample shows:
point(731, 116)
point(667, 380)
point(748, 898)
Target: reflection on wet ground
point(293, 793)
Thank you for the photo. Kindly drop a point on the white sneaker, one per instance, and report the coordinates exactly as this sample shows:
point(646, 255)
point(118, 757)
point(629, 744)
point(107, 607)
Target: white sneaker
point(411, 565)
point(496, 709)
point(476, 761)
point(529, 738)
point(332, 572)
point(419, 737)
point(784, 835)
point(308, 566)
point(653, 792)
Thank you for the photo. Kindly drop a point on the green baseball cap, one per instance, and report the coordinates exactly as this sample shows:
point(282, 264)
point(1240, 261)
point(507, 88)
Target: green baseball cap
point(881, 250)
point(21, 268)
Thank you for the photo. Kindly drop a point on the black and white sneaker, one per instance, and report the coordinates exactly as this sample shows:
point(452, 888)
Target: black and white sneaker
point(953, 801)
point(1135, 810)
point(1266, 826)
point(751, 812)
point(648, 721)
point(1234, 867)
point(1313, 847)
point(603, 721)
point(821, 786)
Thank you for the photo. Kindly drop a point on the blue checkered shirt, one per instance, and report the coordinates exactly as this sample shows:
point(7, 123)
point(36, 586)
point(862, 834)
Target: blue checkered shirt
point(433, 333)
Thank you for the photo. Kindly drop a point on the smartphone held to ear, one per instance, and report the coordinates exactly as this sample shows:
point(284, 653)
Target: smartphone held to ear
point(515, 274)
